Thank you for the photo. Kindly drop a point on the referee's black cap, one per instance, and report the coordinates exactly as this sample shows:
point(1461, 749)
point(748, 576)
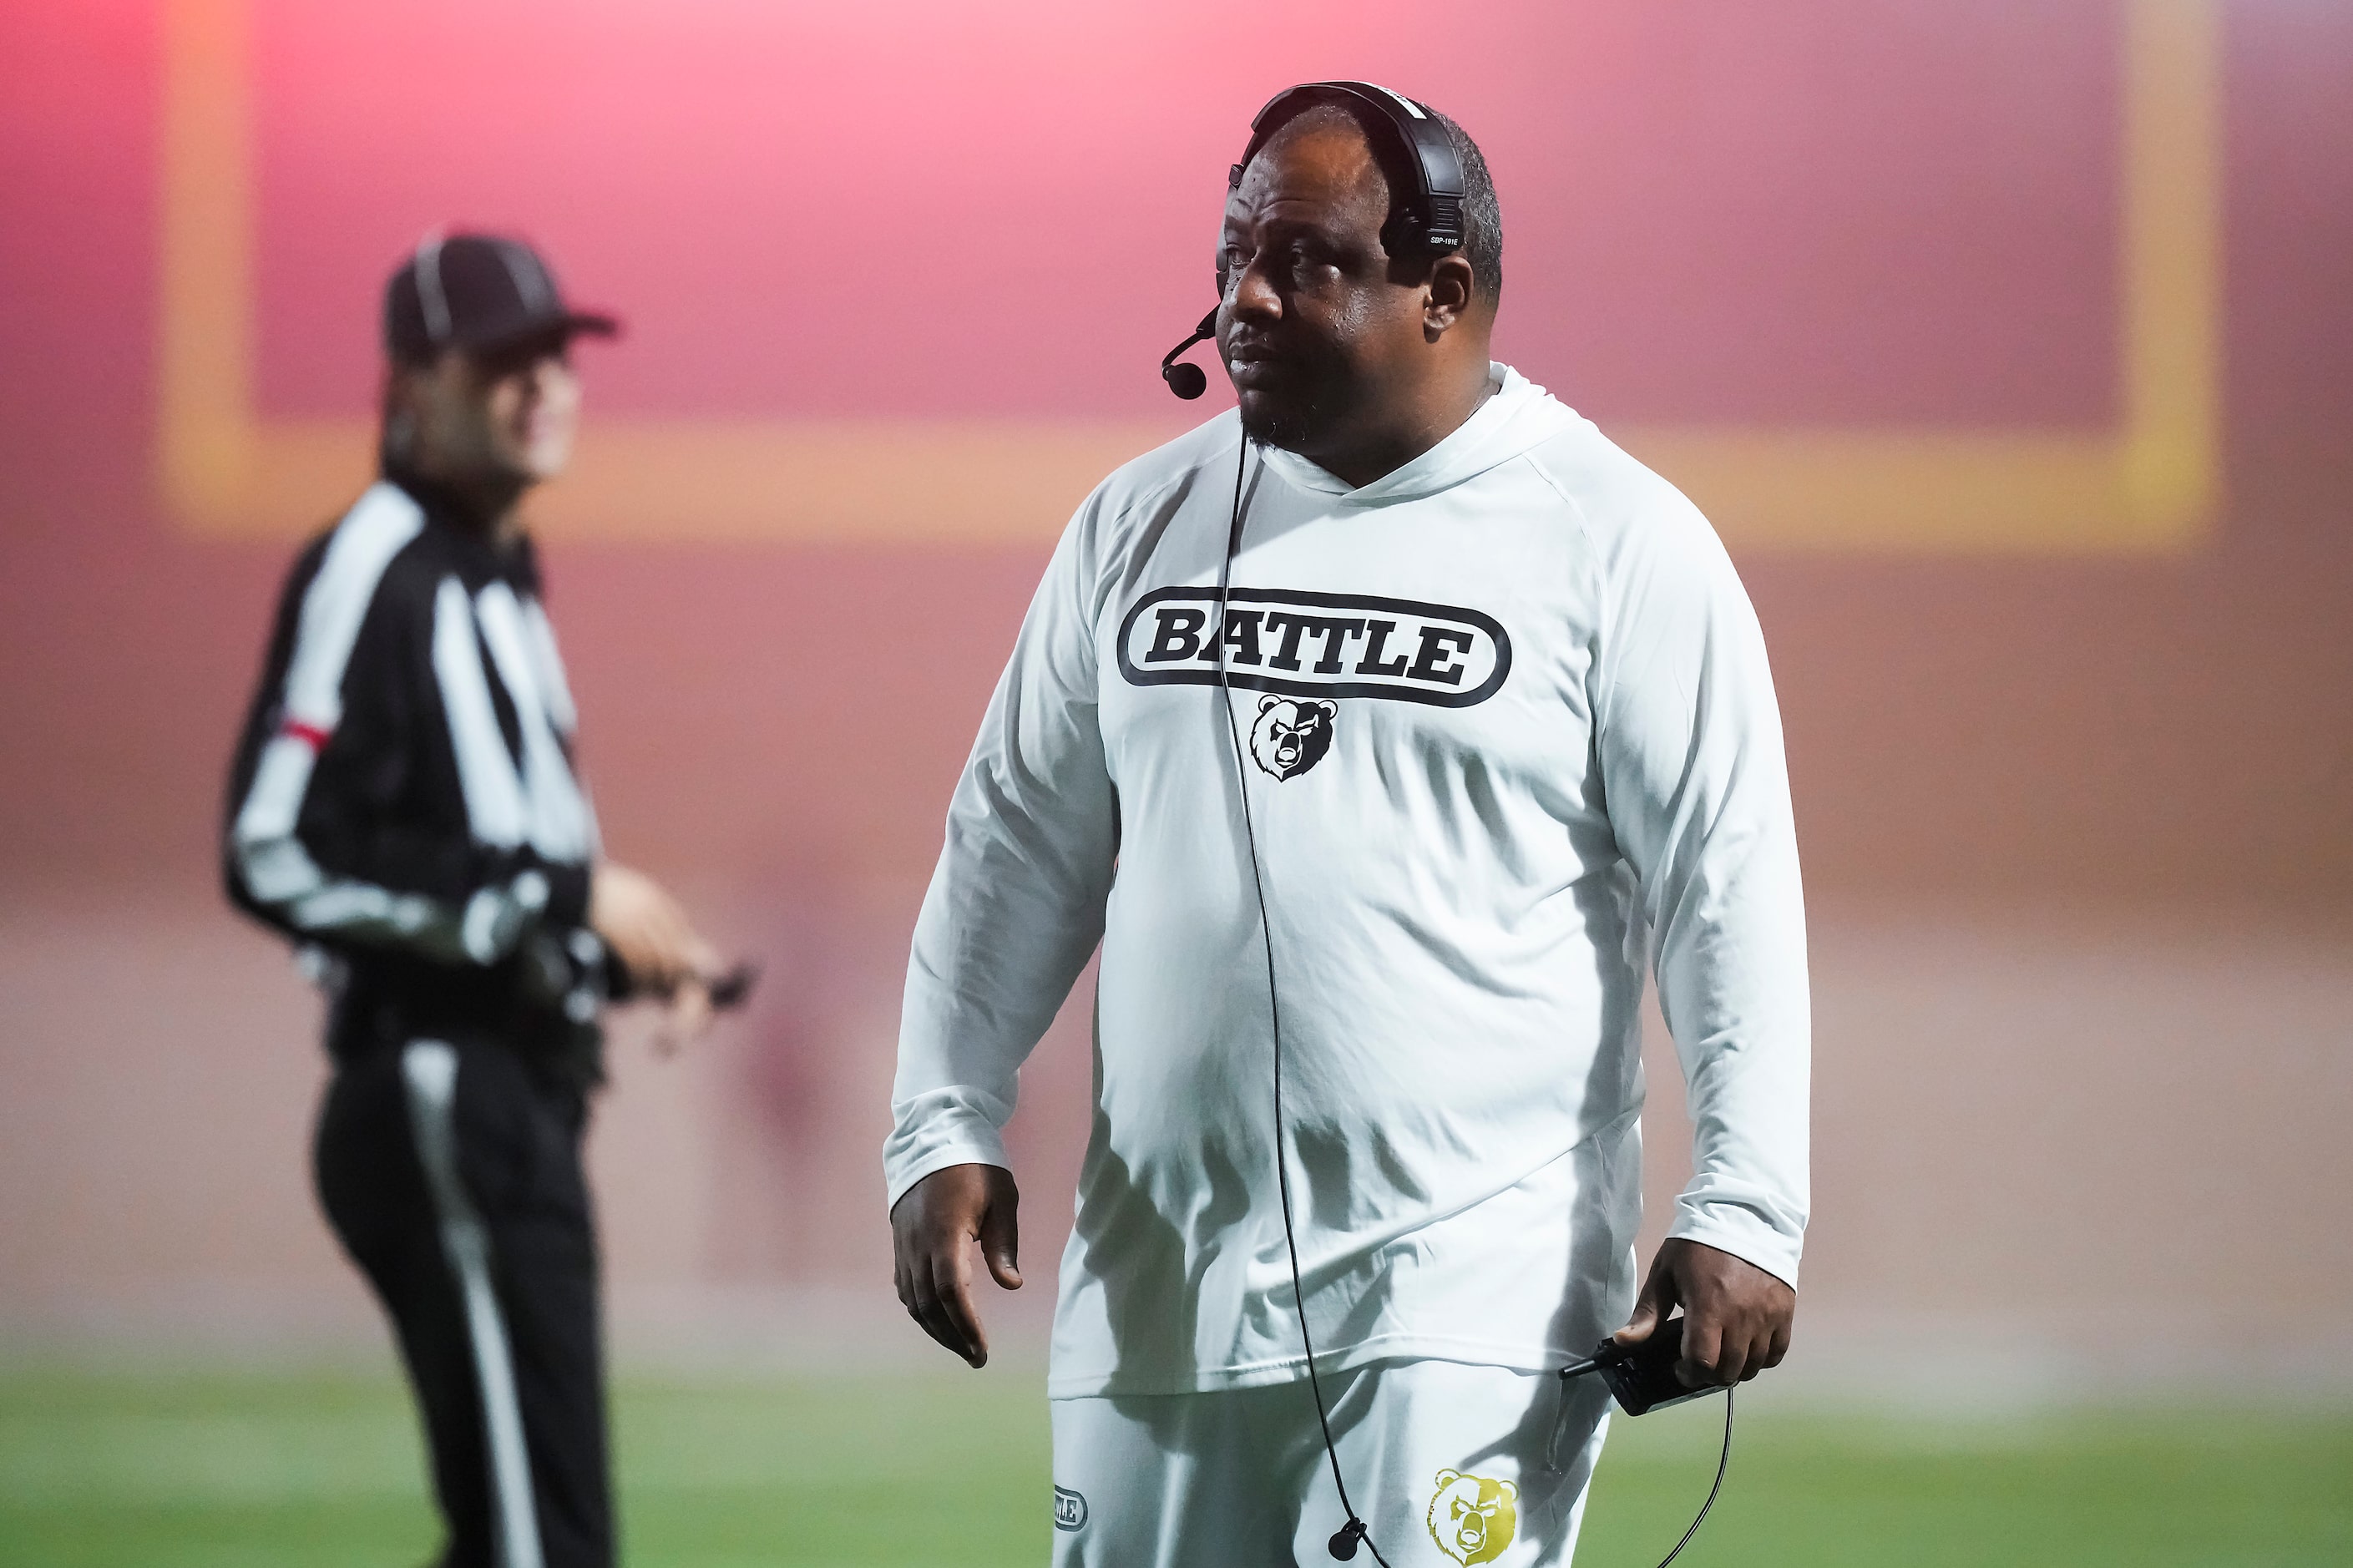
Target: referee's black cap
point(479, 292)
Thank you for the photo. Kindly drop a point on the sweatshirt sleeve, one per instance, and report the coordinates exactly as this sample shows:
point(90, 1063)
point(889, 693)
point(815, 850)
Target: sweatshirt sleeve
point(1016, 904)
point(1689, 737)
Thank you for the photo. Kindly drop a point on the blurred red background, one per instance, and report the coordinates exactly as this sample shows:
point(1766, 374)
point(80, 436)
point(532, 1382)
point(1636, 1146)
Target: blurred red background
point(2075, 827)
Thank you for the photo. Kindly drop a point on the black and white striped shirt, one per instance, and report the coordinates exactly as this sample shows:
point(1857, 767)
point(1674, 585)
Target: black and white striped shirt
point(403, 798)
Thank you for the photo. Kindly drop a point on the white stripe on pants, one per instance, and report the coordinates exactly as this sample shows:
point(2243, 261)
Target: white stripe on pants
point(430, 1067)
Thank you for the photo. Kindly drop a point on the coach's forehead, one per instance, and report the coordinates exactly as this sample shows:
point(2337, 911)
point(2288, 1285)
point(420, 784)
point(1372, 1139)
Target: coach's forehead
point(1319, 164)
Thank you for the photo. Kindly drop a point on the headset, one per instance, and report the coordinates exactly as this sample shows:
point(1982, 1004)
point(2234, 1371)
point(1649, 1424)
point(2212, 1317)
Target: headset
point(1428, 216)
point(1427, 221)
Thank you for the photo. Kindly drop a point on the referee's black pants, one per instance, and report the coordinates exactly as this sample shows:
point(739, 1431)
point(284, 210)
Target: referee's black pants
point(451, 1173)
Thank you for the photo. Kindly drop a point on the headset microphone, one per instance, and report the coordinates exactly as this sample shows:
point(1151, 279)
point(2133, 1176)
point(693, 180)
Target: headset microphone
point(1189, 380)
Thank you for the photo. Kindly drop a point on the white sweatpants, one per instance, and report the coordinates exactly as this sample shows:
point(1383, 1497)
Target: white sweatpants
point(1448, 1463)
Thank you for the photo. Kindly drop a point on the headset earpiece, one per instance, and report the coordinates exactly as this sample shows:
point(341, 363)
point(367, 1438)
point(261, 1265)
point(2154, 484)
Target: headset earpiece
point(1428, 219)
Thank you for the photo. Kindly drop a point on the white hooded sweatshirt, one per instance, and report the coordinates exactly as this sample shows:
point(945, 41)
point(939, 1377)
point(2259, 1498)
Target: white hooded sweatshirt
point(1509, 738)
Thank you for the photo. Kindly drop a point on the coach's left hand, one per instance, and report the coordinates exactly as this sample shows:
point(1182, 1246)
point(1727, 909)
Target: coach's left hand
point(1736, 1316)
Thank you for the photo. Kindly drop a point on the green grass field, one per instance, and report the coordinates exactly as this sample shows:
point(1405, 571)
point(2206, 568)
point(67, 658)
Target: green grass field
point(123, 1470)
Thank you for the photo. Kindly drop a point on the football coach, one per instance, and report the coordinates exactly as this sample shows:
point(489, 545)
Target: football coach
point(404, 805)
point(1386, 734)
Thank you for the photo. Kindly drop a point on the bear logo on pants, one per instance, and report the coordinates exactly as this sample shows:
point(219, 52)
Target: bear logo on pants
point(1289, 737)
point(1471, 1518)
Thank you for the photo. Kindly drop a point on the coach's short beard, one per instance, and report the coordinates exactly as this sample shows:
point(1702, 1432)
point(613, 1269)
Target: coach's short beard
point(1294, 428)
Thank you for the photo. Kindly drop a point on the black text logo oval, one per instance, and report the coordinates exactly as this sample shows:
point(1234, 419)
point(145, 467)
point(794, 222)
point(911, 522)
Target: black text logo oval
point(1301, 643)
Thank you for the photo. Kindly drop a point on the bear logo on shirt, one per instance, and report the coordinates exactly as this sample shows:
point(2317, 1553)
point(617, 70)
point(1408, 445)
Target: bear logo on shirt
point(1290, 736)
point(1471, 1518)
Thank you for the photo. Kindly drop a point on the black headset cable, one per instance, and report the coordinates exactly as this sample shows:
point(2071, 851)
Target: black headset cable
point(1343, 1541)
point(1723, 1463)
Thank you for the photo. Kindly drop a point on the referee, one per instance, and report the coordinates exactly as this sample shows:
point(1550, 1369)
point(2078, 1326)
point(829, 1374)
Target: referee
point(404, 805)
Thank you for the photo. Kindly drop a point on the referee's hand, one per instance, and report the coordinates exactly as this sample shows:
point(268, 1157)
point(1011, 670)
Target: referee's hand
point(933, 1228)
point(1736, 1317)
point(665, 956)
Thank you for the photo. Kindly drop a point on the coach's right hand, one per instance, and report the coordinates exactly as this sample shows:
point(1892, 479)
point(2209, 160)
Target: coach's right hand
point(933, 1228)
